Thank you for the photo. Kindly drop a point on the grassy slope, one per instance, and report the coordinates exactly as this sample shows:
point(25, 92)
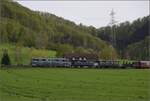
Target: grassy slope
point(74, 85)
point(26, 53)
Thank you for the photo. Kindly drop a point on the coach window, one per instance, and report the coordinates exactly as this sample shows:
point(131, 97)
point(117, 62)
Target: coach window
point(84, 58)
point(35, 59)
point(49, 59)
point(43, 59)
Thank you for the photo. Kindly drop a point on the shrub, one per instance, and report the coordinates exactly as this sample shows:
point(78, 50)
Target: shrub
point(5, 59)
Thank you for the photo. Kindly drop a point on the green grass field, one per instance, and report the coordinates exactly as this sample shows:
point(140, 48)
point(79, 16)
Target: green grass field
point(23, 55)
point(60, 84)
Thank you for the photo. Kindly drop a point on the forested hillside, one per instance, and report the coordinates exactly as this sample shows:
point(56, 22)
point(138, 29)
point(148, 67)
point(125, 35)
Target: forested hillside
point(130, 37)
point(41, 30)
point(44, 31)
point(139, 50)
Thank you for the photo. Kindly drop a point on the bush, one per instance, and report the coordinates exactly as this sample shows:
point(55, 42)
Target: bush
point(5, 61)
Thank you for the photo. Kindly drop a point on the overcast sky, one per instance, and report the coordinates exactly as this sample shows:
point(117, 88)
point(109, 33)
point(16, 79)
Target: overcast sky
point(95, 13)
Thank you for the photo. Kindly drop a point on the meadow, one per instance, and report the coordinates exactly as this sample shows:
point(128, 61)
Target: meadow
point(62, 84)
point(22, 55)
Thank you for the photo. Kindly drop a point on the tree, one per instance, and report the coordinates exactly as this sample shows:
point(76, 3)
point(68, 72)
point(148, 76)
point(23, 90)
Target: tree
point(41, 41)
point(17, 53)
point(81, 50)
point(108, 53)
point(5, 59)
point(63, 49)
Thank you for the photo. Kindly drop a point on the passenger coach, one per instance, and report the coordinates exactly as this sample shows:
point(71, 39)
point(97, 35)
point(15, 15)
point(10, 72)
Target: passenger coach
point(50, 62)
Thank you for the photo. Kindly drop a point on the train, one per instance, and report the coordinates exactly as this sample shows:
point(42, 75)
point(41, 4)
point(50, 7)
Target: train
point(84, 63)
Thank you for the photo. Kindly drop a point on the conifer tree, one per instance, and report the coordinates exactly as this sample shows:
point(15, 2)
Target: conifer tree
point(5, 59)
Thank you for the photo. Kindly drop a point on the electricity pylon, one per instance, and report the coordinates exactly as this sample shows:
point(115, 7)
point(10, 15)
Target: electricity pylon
point(112, 23)
point(113, 34)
